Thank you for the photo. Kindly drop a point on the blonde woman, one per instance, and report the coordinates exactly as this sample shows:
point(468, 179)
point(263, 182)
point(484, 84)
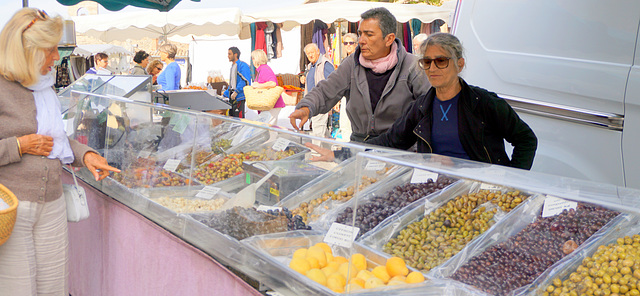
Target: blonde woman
point(170, 77)
point(265, 78)
point(33, 148)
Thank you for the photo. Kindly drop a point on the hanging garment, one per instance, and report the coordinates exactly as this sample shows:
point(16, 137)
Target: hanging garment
point(278, 37)
point(415, 27)
point(269, 41)
point(260, 37)
point(435, 26)
point(407, 37)
point(306, 37)
point(319, 32)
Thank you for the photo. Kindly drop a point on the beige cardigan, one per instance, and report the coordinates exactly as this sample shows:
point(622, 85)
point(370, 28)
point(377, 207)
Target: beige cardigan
point(30, 177)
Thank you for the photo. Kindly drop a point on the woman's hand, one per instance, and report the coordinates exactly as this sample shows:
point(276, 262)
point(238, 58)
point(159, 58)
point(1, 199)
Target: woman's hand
point(325, 154)
point(98, 165)
point(36, 144)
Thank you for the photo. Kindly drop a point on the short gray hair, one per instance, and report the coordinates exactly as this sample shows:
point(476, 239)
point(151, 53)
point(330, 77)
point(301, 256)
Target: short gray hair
point(386, 20)
point(352, 36)
point(170, 49)
point(311, 46)
point(447, 42)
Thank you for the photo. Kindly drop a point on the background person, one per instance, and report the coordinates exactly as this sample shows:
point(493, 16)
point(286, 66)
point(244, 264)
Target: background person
point(170, 77)
point(318, 69)
point(417, 41)
point(380, 79)
point(265, 78)
point(101, 61)
point(154, 68)
point(238, 79)
point(459, 120)
point(33, 147)
point(350, 42)
point(142, 60)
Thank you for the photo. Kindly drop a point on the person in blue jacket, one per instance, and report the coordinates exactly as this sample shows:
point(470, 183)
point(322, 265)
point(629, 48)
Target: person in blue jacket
point(239, 78)
point(170, 77)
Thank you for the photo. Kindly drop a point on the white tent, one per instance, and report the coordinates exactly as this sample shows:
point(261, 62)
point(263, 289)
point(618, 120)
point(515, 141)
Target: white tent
point(154, 24)
point(87, 50)
point(118, 57)
point(338, 10)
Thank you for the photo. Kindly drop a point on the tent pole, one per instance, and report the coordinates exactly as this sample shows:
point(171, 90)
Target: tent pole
point(25, 3)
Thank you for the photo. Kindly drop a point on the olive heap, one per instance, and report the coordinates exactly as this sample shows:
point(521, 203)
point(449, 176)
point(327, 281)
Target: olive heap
point(612, 270)
point(374, 211)
point(306, 209)
point(523, 257)
point(445, 231)
point(145, 173)
point(220, 146)
point(231, 165)
point(240, 223)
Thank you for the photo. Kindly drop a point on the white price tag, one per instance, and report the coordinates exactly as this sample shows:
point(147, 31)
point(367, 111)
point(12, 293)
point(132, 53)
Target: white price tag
point(490, 187)
point(264, 208)
point(341, 235)
point(281, 144)
point(144, 154)
point(208, 192)
point(422, 176)
point(554, 206)
point(374, 165)
point(281, 172)
point(171, 165)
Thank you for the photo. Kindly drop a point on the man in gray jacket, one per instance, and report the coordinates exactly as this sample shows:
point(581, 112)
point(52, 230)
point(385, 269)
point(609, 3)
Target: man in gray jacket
point(379, 80)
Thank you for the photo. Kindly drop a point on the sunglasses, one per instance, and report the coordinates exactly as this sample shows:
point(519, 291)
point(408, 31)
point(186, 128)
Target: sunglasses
point(41, 15)
point(441, 62)
point(349, 42)
point(159, 68)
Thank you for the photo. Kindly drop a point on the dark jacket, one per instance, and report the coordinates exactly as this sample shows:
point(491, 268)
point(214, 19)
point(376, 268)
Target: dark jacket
point(484, 122)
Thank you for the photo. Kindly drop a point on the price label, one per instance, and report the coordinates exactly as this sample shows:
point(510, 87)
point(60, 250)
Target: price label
point(490, 187)
point(281, 172)
point(274, 191)
point(144, 154)
point(281, 144)
point(374, 165)
point(554, 206)
point(341, 235)
point(181, 124)
point(422, 176)
point(208, 192)
point(171, 165)
point(264, 208)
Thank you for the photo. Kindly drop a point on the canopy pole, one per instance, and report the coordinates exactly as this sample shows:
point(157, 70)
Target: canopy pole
point(25, 3)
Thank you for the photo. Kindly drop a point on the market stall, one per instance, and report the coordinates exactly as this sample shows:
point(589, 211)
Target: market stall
point(380, 222)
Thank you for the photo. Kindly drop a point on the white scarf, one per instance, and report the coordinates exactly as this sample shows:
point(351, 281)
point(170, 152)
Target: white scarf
point(49, 118)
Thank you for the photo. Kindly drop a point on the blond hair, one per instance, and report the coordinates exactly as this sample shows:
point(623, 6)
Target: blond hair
point(22, 45)
point(259, 57)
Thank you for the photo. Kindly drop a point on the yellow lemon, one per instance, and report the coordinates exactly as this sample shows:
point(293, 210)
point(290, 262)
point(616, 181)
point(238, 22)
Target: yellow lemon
point(329, 257)
point(364, 274)
point(340, 259)
point(300, 253)
point(398, 278)
point(415, 277)
point(319, 254)
point(325, 247)
point(373, 282)
point(357, 281)
point(381, 273)
point(299, 265)
point(328, 270)
point(395, 283)
point(317, 276)
point(349, 271)
point(336, 282)
point(396, 266)
point(313, 262)
point(333, 264)
point(359, 261)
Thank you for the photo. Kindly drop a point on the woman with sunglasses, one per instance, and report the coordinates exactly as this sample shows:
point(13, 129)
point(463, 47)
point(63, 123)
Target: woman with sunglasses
point(350, 41)
point(459, 120)
point(33, 148)
point(154, 68)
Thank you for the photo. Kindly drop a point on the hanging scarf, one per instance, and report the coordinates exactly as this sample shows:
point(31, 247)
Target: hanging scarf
point(382, 64)
point(49, 118)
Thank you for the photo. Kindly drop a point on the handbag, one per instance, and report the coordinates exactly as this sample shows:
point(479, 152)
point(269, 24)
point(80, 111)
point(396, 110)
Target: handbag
point(262, 99)
point(76, 199)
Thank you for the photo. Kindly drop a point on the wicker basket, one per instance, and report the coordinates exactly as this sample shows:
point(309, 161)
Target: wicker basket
point(7, 216)
point(261, 99)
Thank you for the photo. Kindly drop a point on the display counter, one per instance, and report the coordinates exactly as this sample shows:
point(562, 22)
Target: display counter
point(377, 222)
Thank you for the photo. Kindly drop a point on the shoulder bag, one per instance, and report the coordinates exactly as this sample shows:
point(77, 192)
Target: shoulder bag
point(76, 199)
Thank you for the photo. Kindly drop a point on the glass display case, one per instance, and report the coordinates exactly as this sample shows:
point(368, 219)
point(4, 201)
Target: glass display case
point(376, 222)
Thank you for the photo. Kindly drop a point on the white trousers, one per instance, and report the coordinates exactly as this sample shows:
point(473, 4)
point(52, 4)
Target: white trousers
point(319, 126)
point(274, 116)
point(34, 260)
point(345, 123)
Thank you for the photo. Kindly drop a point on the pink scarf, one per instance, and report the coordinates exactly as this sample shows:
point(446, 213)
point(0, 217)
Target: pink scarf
point(382, 64)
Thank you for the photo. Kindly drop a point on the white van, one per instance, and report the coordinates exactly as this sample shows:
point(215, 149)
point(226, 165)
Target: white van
point(571, 70)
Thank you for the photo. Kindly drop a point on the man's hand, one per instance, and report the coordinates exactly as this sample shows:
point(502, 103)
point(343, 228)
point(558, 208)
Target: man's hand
point(325, 154)
point(234, 95)
point(302, 114)
point(95, 162)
